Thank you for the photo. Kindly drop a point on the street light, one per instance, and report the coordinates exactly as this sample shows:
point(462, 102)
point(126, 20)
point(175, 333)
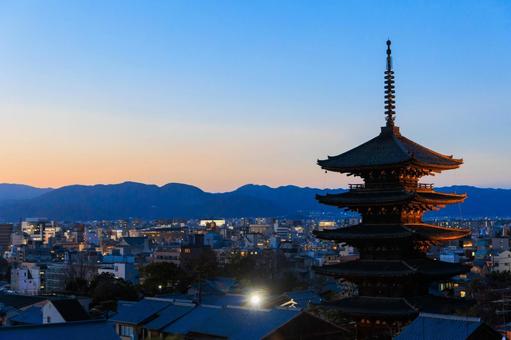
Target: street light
point(255, 299)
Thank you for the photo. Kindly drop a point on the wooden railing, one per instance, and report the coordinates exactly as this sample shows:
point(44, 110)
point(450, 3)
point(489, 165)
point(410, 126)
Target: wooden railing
point(425, 186)
point(359, 186)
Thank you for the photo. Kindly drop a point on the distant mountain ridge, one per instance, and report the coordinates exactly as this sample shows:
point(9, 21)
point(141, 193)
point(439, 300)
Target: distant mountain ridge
point(9, 191)
point(175, 200)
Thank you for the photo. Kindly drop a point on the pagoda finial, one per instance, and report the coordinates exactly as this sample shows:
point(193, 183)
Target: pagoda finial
point(390, 99)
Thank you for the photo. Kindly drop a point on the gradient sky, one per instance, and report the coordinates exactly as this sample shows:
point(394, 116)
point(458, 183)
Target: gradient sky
point(223, 93)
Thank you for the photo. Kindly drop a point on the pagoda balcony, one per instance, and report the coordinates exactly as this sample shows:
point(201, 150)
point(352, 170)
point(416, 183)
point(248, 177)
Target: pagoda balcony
point(357, 186)
point(425, 187)
point(394, 186)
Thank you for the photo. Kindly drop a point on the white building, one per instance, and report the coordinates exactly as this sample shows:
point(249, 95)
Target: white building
point(502, 261)
point(28, 279)
point(121, 270)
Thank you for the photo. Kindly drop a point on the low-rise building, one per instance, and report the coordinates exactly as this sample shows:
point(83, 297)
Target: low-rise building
point(28, 278)
point(121, 270)
point(502, 261)
point(153, 318)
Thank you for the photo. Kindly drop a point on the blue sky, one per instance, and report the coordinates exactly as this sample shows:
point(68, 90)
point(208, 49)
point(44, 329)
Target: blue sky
point(223, 93)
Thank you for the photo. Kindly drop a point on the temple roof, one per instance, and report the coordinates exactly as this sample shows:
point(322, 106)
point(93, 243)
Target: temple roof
point(421, 231)
point(393, 268)
point(389, 149)
point(369, 197)
point(365, 306)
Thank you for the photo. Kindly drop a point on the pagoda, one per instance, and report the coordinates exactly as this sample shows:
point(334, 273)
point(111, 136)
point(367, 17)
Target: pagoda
point(393, 273)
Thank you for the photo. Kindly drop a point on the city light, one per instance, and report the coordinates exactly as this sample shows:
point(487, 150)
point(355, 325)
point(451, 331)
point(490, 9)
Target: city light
point(255, 299)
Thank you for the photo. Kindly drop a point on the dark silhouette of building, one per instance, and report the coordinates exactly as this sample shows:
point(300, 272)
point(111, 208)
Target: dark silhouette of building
point(5, 237)
point(393, 274)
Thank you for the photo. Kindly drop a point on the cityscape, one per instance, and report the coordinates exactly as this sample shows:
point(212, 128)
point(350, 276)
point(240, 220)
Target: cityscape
point(364, 234)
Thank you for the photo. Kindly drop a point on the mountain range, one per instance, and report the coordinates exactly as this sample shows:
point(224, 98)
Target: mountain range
point(175, 200)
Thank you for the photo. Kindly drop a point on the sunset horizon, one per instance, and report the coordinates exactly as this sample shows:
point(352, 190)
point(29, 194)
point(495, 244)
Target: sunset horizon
point(212, 100)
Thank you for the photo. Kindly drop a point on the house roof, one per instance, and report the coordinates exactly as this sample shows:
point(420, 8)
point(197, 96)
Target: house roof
point(32, 315)
point(80, 330)
point(231, 322)
point(135, 241)
point(453, 327)
point(169, 315)
point(303, 298)
point(139, 312)
point(71, 310)
point(20, 301)
point(388, 149)
point(224, 299)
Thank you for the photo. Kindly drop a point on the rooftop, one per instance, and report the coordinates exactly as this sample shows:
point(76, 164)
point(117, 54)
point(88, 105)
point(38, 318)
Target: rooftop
point(389, 149)
point(79, 330)
point(453, 327)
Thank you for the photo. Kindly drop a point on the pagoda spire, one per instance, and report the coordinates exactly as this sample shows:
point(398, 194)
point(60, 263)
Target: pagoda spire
point(390, 99)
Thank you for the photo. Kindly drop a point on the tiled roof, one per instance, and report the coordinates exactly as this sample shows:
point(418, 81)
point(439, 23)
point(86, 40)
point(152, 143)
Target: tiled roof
point(387, 149)
point(139, 312)
point(367, 197)
point(421, 231)
point(375, 306)
point(232, 323)
point(80, 330)
point(169, 315)
point(71, 310)
point(32, 315)
point(20, 301)
point(393, 268)
point(439, 327)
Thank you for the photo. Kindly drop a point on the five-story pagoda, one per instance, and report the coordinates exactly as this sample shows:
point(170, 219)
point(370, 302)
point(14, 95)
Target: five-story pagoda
point(393, 274)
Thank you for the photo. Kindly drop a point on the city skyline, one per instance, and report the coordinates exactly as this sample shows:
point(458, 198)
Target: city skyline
point(245, 93)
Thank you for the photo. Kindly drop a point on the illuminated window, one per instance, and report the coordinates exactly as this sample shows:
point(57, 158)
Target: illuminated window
point(125, 330)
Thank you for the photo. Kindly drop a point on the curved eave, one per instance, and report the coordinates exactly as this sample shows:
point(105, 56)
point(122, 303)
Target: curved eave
point(362, 169)
point(363, 232)
point(363, 269)
point(357, 168)
point(436, 233)
point(439, 198)
point(438, 167)
point(364, 199)
point(344, 200)
point(347, 272)
point(347, 234)
point(362, 306)
point(434, 167)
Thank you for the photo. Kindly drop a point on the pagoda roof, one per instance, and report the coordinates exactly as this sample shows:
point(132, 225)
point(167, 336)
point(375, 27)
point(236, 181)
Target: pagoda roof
point(393, 268)
point(368, 306)
point(421, 231)
point(389, 149)
point(365, 197)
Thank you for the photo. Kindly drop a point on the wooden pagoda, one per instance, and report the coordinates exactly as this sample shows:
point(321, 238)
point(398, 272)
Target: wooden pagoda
point(393, 274)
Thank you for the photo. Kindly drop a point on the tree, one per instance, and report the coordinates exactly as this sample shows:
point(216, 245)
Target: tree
point(77, 285)
point(162, 277)
point(201, 265)
point(105, 290)
point(492, 296)
point(5, 270)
